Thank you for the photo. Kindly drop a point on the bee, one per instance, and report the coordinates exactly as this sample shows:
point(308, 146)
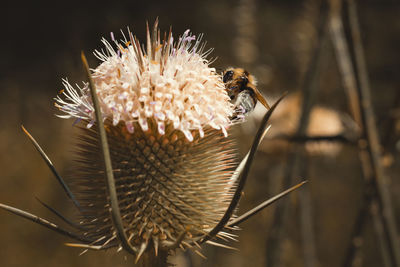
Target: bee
point(241, 88)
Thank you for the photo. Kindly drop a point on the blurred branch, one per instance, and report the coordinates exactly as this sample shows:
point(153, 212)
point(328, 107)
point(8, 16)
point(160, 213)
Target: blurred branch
point(344, 60)
point(309, 89)
point(369, 148)
point(340, 138)
point(371, 132)
point(380, 229)
point(389, 124)
point(245, 49)
point(350, 84)
point(306, 222)
point(353, 250)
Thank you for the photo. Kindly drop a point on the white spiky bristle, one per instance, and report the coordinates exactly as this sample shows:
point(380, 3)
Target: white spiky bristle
point(169, 83)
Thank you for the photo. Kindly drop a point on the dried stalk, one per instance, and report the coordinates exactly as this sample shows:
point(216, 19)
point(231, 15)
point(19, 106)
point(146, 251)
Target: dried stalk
point(306, 219)
point(369, 147)
point(371, 133)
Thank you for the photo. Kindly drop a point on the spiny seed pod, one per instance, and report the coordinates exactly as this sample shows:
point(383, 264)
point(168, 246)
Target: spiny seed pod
point(167, 186)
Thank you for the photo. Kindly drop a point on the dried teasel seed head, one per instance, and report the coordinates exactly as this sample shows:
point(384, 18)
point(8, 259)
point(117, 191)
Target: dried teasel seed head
point(166, 184)
point(166, 115)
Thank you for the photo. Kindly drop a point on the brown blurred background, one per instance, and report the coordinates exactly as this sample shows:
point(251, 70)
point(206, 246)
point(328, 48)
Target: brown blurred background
point(274, 40)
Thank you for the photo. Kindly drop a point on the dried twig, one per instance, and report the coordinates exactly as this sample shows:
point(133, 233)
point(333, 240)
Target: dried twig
point(306, 219)
point(380, 230)
point(350, 85)
point(361, 106)
point(389, 124)
point(344, 60)
point(371, 133)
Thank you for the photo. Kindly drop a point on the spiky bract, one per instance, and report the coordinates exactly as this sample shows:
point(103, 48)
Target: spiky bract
point(168, 187)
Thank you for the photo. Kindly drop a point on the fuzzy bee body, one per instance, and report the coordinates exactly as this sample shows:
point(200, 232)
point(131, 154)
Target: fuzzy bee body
point(241, 88)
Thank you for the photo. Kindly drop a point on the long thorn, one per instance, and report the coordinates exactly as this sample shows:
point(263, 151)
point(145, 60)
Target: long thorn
point(263, 205)
point(59, 215)
point(112, 191)
point(243, 176)
point(43, 222)
point(241, 165)
point(220, 245)
point(53, 169)
point(85, 246)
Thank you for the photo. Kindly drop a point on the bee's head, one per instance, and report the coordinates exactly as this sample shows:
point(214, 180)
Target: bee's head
point(236, 76)
point(228, 75)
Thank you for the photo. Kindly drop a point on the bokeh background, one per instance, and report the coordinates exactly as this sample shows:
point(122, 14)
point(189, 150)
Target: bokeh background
point(41, 44)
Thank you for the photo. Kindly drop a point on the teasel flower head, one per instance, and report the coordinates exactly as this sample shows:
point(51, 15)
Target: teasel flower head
point(170, 83)
point(167, 116)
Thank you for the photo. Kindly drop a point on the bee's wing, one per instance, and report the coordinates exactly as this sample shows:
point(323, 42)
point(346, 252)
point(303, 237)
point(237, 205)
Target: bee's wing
point(260, 98)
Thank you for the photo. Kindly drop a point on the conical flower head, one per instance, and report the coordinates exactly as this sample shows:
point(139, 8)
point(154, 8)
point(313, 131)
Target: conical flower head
point(166, 113)
point(170, 83)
